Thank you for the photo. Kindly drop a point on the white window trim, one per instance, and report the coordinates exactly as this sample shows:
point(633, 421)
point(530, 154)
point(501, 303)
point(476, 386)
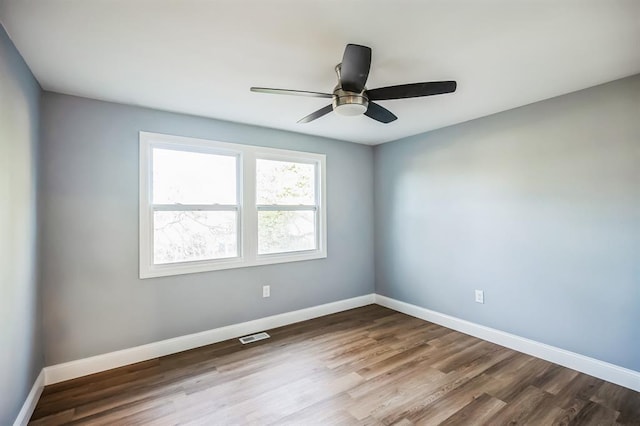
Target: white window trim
point(248, 211)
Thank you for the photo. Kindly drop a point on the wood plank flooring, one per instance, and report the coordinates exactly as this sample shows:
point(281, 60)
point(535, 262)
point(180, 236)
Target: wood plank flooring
point(366, 366)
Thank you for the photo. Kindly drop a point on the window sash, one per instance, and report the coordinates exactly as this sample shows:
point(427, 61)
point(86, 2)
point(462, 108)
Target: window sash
point(199, 150)
point(316, 229)
point(238, 235)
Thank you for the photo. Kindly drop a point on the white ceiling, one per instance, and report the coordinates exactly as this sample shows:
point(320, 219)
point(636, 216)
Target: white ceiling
point(200, 57)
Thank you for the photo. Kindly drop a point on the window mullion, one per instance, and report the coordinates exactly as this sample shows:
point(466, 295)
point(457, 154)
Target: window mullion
point(249, 213)
point(321, 200)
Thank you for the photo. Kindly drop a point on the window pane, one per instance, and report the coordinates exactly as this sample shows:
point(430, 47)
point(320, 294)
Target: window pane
point(283, 182)
point(194, 235)
point(286, 231)
point(193, 177)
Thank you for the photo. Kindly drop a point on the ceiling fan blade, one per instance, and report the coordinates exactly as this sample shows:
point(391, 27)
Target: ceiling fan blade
point(413, 90)
point(314, 115)
point(291, 92)
point(355, 66)
point(380, 113)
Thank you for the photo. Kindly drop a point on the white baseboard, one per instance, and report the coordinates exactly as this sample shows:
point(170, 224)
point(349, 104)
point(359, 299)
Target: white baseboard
point(95, 364)
point(30, 403)
point(82, 367)
point(603, 370)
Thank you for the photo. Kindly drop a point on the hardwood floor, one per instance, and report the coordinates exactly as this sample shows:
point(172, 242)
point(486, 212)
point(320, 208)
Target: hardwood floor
point(366, 366)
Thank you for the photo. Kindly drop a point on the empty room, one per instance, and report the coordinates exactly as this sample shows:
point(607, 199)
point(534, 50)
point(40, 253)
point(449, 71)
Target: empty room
point(285, 212)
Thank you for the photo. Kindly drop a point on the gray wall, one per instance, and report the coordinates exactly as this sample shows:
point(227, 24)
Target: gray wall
point(94, 301)
point(539, 206)
point(20, 338)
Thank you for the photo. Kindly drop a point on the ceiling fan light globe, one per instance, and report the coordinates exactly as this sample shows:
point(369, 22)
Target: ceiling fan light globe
point(349, 103)
point(350, 109)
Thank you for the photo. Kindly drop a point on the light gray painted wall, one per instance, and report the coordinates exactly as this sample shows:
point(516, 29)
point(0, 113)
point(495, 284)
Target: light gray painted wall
point(93, 300)
point(539, 206)
point(20, 330)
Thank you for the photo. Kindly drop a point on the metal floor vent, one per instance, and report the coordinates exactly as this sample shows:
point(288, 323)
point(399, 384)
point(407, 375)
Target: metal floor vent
point(254, 338)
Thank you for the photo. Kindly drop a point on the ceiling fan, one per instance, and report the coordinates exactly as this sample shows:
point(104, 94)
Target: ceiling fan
point(351, 97)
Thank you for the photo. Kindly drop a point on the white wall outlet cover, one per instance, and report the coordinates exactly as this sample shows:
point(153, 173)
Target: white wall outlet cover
point(479, 296)
point(266, 290)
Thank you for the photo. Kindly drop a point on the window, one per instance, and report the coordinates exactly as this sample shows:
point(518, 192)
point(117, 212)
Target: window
point(192, 218)
point(208, 205)
point(287, 206)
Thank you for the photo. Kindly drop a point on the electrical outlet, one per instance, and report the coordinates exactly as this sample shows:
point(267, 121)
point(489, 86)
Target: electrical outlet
point(266, 291)
point(479, 296)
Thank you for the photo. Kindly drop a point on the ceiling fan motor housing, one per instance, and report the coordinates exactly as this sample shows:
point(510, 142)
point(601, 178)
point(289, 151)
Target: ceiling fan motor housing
point(349, 103)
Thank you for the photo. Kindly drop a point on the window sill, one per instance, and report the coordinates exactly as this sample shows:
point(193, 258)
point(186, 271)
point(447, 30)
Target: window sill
point(217, 265)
